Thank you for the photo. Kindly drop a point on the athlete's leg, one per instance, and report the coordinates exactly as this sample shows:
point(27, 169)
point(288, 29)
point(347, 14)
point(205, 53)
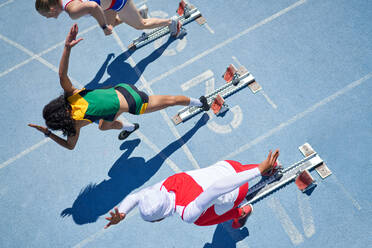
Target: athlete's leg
point(112, 17)
point(159, 102)
point(107, 125)
point(130, 15)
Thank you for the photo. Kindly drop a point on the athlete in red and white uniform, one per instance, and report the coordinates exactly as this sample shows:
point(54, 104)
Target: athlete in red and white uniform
point(204, 197)
point(108, 13)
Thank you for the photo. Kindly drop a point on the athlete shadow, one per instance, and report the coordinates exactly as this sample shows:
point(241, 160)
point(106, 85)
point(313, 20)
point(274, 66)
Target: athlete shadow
point(127, 174)
point(226, 237)
point(121, 71)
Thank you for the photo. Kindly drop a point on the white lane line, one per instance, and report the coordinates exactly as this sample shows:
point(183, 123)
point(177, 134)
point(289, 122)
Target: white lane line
point(197, 80)
point(142, 137)
point(286, 222)
point(226, 42)
point(100, 232)
point(162, 112)
point(268, 99)
point(3, 4)
point(346, 192)
point(306, 214)
point(35, 56)
point(90, 238)
point(237, 61)
point(209, 28)
point(299, 116)
point(141, 3)
point(171, 164)
point(25, 152)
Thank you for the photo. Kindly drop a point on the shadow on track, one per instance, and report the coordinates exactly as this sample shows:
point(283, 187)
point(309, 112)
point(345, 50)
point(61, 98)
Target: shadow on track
point(127, 173)
point(121, 71)
point(226, 237)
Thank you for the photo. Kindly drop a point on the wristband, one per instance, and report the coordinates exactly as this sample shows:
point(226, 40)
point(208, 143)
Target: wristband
point(48, 133)
point(104, 26)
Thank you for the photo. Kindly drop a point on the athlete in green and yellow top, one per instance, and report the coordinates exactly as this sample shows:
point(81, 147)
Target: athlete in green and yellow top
point(78, 108)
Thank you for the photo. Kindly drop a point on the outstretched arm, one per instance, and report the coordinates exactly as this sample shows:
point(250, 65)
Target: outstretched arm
point(77, 9)
point(125, 207)
point(63, 64)
point(68, 143)
point(130, 202)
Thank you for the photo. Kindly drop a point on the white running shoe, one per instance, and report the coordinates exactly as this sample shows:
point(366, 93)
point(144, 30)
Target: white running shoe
point(173, 29)
point(143, 10)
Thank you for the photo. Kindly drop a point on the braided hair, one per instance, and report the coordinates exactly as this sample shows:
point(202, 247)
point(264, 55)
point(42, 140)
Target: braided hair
point(57, 115)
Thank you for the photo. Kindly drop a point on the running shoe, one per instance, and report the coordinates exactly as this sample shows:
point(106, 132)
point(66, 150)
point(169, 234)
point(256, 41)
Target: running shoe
point(124, 134)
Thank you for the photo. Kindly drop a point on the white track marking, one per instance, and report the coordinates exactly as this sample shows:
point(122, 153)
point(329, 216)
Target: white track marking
point(268, 99)
point(263, 93)
point(197, 80)
point(346, 192)
point(162, 112)
point(237, 61)
point(3, 4)
point(305, 214)
point(299, 116)
point(100, 232)
point(172, 165)
point(142, 137)
point(288, 226)
point(35, 56)
point(226, 42)
point(141, 3)
point(238, 116)
point(25, 152)
point(90, 238)
point(208, 28)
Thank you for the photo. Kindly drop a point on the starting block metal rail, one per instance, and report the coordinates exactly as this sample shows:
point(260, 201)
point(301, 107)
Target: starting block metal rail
point(281, 178)
point(244, 79)
point(191, 14)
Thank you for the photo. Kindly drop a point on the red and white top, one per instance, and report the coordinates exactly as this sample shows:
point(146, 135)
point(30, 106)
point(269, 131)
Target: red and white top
point(199, 196)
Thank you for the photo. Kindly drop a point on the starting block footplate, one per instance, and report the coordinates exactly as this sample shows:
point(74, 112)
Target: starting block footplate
point(148, 37)
point(245, 78)
point(287, 175)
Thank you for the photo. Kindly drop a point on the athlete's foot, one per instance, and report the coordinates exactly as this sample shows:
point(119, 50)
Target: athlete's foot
point(124, 134)
point(204, 101)
point(176, 29)
point(143, 10)
point(246, 212)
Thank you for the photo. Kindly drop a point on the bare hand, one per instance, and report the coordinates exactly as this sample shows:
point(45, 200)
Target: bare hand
point(269, 162)
point(71, 37)
point(115, 217)
point(108, 30)
point(42, 129)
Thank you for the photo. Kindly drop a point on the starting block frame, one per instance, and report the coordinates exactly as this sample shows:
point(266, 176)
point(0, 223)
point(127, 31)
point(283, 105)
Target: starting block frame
point(283, 177)
point(244, 79)
point(190, 13)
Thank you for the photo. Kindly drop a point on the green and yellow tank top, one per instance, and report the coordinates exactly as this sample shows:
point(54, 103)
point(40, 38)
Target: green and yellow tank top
point(92, 105)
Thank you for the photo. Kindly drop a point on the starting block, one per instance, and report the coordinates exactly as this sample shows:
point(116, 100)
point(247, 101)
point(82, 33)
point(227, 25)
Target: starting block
point(186, 13)
point(218, 105)
point(304, 181)
point(183, 9)
point(298, 172)
point(231, 75)
point(244, 78)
